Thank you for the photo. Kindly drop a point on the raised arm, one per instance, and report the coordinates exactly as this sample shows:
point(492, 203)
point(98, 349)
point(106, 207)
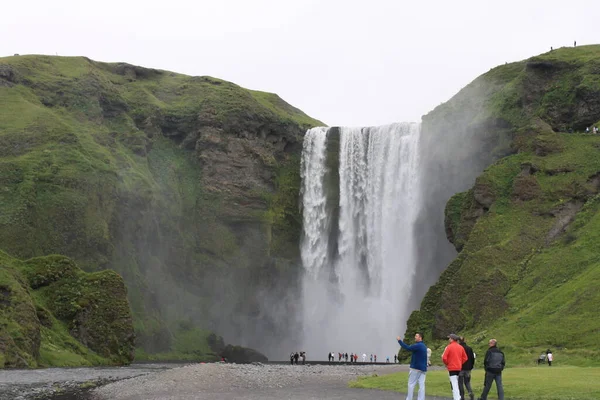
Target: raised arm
point(406, 346)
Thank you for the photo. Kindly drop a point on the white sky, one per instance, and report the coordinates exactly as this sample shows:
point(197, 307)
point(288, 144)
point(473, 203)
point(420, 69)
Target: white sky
point(343, 62)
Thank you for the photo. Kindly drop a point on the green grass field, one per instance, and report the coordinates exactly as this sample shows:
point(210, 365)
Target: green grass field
point(540, 383)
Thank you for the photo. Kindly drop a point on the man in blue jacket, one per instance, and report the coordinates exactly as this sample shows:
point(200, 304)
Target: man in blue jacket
point(418, 365)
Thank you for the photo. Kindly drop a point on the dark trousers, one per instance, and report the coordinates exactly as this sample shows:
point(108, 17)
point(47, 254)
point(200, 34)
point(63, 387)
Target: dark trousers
point(490, 377)
point(464, 380)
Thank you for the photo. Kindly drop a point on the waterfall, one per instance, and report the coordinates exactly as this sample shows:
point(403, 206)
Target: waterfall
point(358, 248)
point(314, 216)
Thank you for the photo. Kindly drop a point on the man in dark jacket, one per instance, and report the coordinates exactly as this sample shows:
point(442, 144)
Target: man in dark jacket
point(418, 366)
point(494, 364)
point(464, 377)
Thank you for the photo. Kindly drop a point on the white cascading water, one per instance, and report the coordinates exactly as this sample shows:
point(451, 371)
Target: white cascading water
point(355, 298)
point(314, 218)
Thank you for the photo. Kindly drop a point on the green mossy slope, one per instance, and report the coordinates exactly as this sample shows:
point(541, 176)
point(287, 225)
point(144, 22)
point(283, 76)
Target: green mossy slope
point(54, 314)
point(527, 232)
point(186, 186)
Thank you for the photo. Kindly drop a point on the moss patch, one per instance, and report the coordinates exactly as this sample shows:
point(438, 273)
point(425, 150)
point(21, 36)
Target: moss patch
point(54, 314)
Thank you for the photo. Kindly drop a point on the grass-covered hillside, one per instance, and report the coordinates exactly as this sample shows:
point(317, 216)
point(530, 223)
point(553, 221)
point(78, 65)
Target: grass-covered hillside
point(528, 231)
point(53, 313)
point(186, 186)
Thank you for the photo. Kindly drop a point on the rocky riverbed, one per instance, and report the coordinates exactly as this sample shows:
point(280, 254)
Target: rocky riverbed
point(249, 382)
point(67, 383)
point(195, 381)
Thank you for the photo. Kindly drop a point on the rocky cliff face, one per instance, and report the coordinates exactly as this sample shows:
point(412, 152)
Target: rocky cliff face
point(524, 229)
point(186, 186)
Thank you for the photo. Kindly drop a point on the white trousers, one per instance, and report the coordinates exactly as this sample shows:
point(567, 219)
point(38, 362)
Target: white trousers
point(416, 377)
point(455, 389)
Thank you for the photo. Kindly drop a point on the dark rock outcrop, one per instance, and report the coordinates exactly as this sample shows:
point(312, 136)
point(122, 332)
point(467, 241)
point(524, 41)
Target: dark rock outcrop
point(242, 355)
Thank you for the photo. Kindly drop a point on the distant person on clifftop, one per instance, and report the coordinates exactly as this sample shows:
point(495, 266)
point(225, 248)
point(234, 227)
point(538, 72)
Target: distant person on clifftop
point(292, 358)
point(454, 357)
point(550, 358)
point(395, 358)
point(375, 357)
point(296, 357)
point(418, 366)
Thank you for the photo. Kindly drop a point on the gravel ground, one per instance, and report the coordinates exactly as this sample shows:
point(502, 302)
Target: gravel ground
point(66, 383)
point(249, 382)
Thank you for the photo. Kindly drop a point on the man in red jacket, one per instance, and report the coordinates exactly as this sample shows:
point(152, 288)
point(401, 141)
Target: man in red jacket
point(454, 356)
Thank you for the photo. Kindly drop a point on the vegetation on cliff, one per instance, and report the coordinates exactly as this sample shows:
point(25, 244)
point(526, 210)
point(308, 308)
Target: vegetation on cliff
point(527, 232)
point(186, 186)
point(53, 313)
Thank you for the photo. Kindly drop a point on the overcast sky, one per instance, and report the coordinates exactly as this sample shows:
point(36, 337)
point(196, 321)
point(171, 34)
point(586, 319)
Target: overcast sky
point(343, 62)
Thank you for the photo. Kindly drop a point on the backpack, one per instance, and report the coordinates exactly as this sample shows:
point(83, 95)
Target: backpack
point(495, 362)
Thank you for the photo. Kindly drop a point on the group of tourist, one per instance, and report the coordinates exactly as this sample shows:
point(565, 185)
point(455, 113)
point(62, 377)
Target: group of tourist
point(459, 360)
point(354, 357)
point(298, 356)
point(588, 129)
point(344, 357)
point(547, 356)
